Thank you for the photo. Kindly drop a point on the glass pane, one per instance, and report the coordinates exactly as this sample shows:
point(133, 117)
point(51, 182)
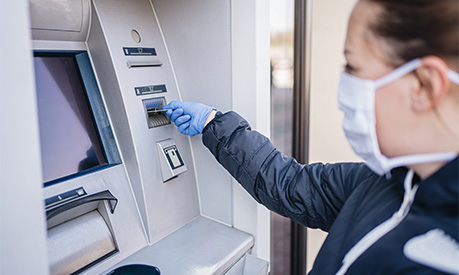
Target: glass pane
point(282, 20)
point(282, 74)
point(68, 136)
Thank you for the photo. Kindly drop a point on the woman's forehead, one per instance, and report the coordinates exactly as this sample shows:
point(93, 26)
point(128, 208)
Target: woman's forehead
point(360, 38)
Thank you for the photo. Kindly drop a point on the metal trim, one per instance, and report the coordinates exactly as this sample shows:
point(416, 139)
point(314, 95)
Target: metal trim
point(301, 117)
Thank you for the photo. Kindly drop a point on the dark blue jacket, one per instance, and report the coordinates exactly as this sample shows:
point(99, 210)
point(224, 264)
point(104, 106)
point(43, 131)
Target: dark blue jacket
point(347, 200)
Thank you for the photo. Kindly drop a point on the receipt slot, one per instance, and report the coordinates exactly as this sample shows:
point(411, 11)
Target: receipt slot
point(170, 159)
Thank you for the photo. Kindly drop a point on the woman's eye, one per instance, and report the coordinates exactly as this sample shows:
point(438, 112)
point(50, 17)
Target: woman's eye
point(348, 68)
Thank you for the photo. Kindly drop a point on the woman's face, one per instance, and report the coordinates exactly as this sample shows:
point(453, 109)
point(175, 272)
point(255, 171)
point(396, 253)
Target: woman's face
point(366, 58)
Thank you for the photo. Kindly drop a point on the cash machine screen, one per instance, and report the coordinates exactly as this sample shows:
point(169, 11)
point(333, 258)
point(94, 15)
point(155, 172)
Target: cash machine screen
point(69, 139)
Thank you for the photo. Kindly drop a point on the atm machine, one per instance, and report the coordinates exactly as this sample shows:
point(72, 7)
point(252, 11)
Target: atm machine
point(122, 188)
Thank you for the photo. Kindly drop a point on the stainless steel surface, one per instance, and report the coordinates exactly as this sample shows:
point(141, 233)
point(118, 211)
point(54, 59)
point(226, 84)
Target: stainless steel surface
point(200, 247)
point(164, 207)
point(63, 15)
point(78, 242)
point(140, 60)
point(125, 223)
point(201, 51)
point(163, 218)
point(60, 20)
point(249, 265)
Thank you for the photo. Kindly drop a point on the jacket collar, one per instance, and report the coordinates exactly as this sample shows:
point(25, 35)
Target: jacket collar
point(437, 193)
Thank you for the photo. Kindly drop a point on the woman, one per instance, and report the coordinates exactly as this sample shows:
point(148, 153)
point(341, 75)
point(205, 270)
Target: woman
point(398, 212)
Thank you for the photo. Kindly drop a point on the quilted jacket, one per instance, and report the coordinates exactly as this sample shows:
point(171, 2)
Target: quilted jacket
point(347, 200)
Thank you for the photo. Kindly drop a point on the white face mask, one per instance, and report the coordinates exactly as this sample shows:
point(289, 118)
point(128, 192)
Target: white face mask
point(356, 98)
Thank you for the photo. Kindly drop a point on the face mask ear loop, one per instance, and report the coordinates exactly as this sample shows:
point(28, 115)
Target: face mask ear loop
point(398, 73)
point(453, 76)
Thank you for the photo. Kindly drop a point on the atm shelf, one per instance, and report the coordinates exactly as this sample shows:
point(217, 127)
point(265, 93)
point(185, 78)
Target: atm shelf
point(202, 246)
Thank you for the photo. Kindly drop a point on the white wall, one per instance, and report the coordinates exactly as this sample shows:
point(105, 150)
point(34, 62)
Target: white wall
point(250, 36)
point(22, 221)
point(327, 142)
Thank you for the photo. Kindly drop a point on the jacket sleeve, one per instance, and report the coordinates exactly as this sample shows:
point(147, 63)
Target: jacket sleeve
point(311, 195)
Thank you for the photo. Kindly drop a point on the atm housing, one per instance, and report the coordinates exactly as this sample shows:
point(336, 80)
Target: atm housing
point(147, 199)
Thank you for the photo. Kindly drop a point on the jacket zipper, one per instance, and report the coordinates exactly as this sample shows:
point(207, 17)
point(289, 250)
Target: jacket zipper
point(379, 231)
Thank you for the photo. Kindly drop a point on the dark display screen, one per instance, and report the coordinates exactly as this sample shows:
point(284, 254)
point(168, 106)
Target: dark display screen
point(69, 138)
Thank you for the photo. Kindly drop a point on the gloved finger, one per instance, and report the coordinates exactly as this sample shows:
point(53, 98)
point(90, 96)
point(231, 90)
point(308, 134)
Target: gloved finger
point(182, 119)
point(176, 114)
point(169, 112)
point(173, 105)
point(184, 128)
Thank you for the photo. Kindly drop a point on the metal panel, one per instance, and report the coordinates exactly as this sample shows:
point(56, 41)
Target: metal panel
point(251, 98)
point(22, 220)
point(64, 20)
point(58, 15)
point(200, 48)
point(165, 207)
point(301, 94)
point(79, 242)
point(192, 250)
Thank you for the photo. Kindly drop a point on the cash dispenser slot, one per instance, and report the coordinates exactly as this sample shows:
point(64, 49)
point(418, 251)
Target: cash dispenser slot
point(79, 233)
point(94, 198)
point(156, 116)
point(141, 57)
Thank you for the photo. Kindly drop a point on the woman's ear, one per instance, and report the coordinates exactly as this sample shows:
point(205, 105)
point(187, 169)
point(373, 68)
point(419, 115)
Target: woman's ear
point(434, 84)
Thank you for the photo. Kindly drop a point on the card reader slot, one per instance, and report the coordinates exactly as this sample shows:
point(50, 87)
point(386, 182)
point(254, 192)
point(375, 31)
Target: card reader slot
point(156, 116)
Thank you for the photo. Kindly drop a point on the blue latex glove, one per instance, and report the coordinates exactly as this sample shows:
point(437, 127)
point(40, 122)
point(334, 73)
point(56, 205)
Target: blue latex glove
point(189, 117)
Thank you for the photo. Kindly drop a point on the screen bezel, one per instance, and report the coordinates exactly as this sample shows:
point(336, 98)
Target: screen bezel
point(97, 108)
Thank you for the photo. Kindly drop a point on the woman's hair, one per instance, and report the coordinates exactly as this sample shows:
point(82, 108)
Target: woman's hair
point(417, 28)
